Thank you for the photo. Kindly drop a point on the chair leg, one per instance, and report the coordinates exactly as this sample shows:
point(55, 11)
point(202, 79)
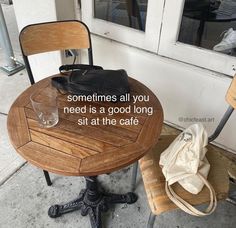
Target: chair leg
point(151, 220)
point(134, 176)
point(47, 177)
point(232, 191)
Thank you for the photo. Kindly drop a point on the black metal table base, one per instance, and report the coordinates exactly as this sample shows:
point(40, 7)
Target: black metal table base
point(92, 202)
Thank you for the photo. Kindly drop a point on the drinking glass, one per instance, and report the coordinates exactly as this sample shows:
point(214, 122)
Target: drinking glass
point(44, 103)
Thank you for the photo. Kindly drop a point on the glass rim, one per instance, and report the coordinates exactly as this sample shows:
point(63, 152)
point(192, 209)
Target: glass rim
point(35, 93)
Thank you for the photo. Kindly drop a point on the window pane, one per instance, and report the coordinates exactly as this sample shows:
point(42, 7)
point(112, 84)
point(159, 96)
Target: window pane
point(210, 24)
point(131, 13)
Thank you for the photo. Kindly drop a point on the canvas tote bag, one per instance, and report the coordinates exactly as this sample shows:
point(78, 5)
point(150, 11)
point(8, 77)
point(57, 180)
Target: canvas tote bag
point(184, 162)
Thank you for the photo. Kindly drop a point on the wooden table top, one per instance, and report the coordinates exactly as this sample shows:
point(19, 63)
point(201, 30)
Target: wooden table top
point(74, 150)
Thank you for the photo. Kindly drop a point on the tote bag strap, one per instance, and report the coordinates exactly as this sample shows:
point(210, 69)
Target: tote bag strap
point(188, 208)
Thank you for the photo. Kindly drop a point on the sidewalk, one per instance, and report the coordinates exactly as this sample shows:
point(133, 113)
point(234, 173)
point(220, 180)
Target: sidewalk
point(25, 197)
point(10, 88)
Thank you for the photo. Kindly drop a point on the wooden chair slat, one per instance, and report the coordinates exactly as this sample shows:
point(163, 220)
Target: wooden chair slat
point(62, 35)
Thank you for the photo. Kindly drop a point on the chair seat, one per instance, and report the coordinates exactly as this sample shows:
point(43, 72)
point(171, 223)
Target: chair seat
point(154, 181)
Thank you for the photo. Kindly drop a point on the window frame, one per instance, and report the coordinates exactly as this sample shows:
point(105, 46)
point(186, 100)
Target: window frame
point(170, 46)
point(148, 40)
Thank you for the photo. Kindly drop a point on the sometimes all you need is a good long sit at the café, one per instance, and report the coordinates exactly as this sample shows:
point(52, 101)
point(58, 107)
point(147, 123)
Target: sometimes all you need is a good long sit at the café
point(134, 108)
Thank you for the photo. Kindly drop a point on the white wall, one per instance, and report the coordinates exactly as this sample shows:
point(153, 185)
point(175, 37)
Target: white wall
point(65, 9)
point(184, 90)
point(37, 11)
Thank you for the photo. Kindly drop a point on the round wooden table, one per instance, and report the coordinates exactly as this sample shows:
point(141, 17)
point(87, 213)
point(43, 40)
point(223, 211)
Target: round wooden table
point(85, 150)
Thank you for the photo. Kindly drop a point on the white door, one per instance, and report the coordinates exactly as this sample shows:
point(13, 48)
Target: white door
point(200, 32)
point(133, 22)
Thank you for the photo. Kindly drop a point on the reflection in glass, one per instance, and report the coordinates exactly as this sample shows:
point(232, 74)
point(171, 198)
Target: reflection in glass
point(210, 24)
point(131, 13)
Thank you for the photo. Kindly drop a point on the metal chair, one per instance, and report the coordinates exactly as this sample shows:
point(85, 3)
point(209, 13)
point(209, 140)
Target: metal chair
point(54, 36)
point(222, 173)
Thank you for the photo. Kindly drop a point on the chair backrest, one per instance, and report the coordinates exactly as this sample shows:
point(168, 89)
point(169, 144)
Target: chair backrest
point(231, 93)
point(54, 36)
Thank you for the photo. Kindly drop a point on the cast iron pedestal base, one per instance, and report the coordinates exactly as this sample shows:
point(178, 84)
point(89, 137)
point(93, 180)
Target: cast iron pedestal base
point(92, 202)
